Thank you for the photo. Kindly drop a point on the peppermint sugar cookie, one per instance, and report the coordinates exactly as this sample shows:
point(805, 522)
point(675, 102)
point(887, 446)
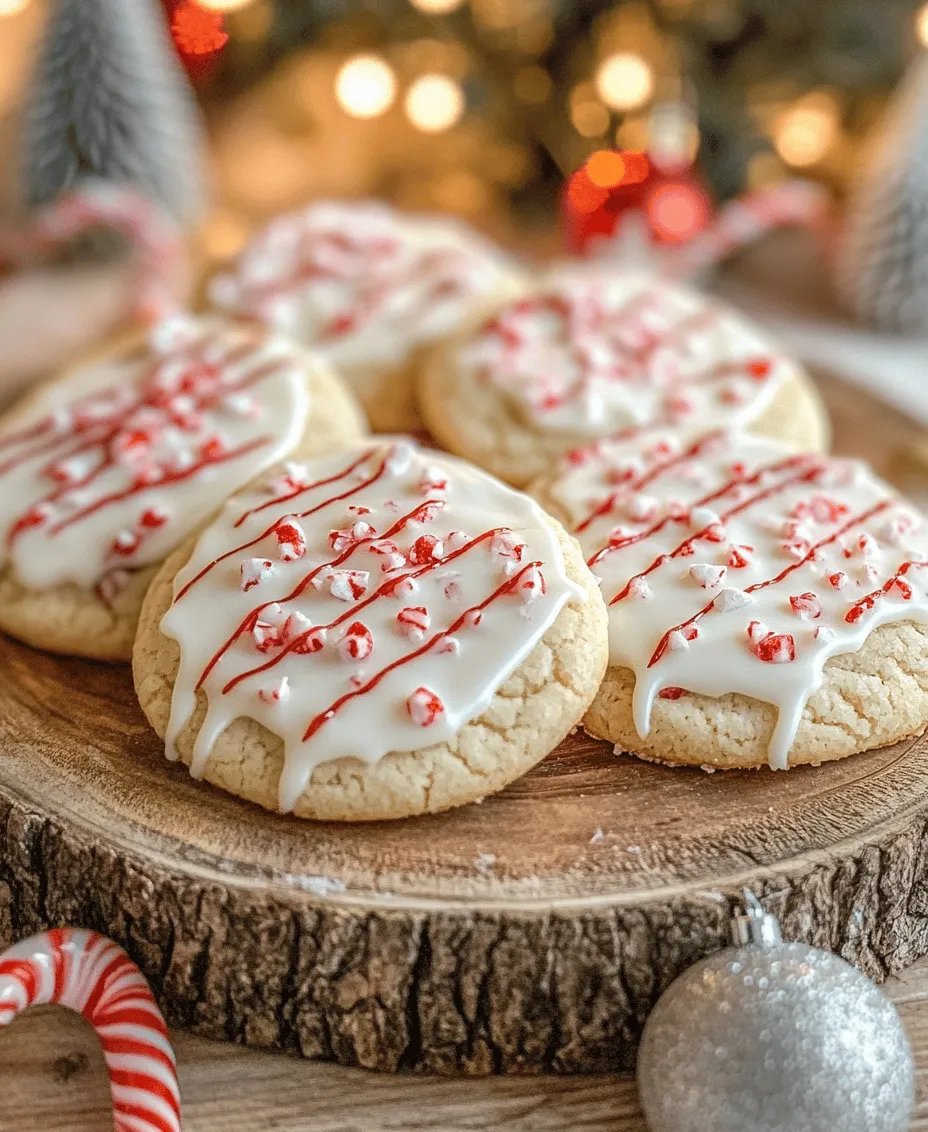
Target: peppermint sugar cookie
point(370, 289)
point(383, 633)
point(764, 606)
point(595, 352)
point(106, 470)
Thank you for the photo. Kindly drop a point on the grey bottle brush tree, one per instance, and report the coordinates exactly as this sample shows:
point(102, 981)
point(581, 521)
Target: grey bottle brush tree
point(109, 99)
point(883, 263)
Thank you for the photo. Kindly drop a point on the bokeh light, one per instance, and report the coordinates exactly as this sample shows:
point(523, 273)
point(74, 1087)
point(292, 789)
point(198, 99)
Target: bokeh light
point(434, 103)
point(365, 86)
point(436, 7)
point(606, 168)
point(677, 212)
point(921, 25)
point(223, 5)
point(624, 81)
point(804, 133)
point(13, 7)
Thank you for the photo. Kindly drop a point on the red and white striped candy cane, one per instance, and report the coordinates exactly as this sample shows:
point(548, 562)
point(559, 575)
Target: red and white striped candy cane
point(92, 975)
point(98, 204)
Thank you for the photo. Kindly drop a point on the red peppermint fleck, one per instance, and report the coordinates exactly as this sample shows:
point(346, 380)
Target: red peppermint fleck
point(739, 556)
point(413, 620)
point(349, 585)
point(714, 533)
point(777, 648)
point(213, 448)
point(266, 636)
point(531, 585)
point(276, 694)
point(758, 368)
point(839, 580)
point(826, 510)
point(426, 549)
point(807, 606)
point(867, 545)
point(424, 707)
point(126, 543)
point(291, 540)
point(357, 643)
point(34, 517)
point(152, 518)
point(311, 642)
point(671, 693)
point(254, 571)
point(899, 587)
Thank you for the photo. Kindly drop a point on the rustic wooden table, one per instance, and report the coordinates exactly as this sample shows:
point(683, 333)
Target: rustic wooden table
point(54, 1080)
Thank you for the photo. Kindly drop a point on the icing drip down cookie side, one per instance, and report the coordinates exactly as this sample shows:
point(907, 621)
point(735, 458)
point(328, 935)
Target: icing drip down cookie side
point(731, 565)
point(108, 470)
point(372, 602)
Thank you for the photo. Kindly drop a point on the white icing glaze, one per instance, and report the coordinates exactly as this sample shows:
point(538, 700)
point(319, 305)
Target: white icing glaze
point(111, 469)
point(361, 283)
point(421, 583)
point(594, 352)
point(747, 570)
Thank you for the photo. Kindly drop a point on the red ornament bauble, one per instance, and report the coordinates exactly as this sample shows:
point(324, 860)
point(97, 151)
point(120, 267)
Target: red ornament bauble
point(198, 34)
point(616, 184)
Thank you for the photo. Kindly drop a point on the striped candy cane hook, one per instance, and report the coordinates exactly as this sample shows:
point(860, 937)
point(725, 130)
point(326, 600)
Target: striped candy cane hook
point(156, 240)
point(93, 976)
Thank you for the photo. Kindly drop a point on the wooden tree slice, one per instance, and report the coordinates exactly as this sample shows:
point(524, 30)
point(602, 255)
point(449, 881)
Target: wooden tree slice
point(530, 933)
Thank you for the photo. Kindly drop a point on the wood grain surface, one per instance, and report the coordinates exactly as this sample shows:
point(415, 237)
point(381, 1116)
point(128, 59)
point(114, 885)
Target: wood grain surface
point(531, 933)
point(54, 1080)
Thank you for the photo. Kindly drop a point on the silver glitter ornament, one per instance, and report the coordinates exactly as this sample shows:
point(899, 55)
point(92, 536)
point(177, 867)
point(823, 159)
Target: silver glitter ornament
point(769, 1036)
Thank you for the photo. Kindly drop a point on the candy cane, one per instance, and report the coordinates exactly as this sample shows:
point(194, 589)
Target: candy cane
point(98, 204)
point(92, 975)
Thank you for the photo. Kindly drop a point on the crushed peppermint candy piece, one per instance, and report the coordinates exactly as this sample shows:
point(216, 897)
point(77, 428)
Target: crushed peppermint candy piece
point(351, 536)
point(414, 620)
point(701, 517)
point(266, 636)
point(776, 648)
point(291, 540)
point(899, 587)
point(349, 585)
point(426, 549)
point(867, 545)
point(295, 626)
point(399, 458)
point(449, 646)
point(640, 588)
point(457, 539)
point(757, 630)
point(839, 580)
point(312, 640)
point(403, 586)
point(824, 634)
point(277, 694)
point(433, 479)
point(451, 584)
point(255, 571)
point(424, 707)
point(707, 576)
point(679, 639)
point(357, 643)
point(807, 606)
point(641, 508)
point(739, 556)
point(732, 598)
point(531, 585)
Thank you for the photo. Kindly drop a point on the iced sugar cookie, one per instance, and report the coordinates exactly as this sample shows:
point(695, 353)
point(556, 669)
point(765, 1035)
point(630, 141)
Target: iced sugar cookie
point(369, 288)
point(594, 352)
point(764, 606)
point(105, 471)
point(380, 633)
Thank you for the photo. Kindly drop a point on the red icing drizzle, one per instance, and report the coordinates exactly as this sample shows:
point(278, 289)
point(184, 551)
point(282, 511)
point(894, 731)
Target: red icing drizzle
point(112, 432)
point(305, 643)
point(685, 547)
point(583, 316)
point(785, 573)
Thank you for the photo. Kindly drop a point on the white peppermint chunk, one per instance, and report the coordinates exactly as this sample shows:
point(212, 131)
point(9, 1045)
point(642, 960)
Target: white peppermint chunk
point(703, 517)
point(640, 588)
point(677, 642)
point(707, 576)
point(732, 598)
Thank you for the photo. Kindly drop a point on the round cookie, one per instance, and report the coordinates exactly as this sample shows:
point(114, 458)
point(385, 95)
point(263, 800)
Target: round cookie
point(384, 633)
point(764, 606)
point(106, 470)
point(368, 288)
point(594, 352)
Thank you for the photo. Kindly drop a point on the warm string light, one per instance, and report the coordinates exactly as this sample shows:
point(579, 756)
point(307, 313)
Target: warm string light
point(921, 25)
point(365, 86)
point(13, 7)
point(223, 5)
point(624, 81)
point(434, 103)
point(436, 7)
point(196, 31)
point(804, 133)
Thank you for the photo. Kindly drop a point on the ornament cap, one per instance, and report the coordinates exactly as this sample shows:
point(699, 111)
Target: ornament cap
point(751, 924)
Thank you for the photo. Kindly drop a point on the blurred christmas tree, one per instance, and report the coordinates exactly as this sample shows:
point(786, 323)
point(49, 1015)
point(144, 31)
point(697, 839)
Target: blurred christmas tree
point(484, 106)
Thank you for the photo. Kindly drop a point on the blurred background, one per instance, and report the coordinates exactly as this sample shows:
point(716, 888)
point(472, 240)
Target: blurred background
point(483, 107)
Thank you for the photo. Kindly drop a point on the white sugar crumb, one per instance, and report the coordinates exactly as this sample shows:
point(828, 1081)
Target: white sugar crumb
point(321, 886)
point(598, 835)
point(484, 863)
point(633, 849)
